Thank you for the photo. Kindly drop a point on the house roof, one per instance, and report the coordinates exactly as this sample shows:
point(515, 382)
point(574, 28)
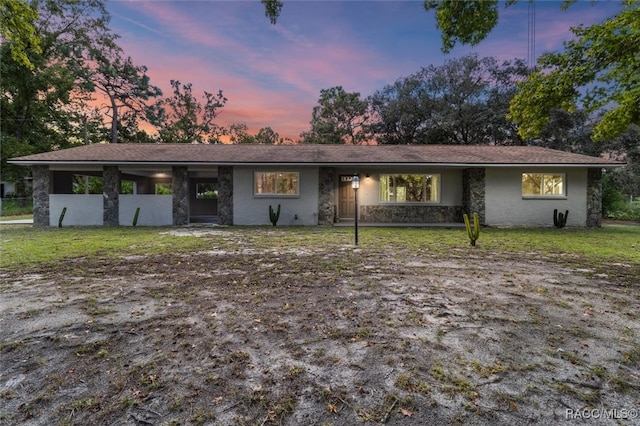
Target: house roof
point(221, 154)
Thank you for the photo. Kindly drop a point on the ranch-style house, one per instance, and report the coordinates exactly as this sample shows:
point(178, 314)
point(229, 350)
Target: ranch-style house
point(177, 184)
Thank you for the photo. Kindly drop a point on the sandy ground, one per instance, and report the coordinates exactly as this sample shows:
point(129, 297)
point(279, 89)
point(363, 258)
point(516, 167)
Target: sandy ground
point(320, 336)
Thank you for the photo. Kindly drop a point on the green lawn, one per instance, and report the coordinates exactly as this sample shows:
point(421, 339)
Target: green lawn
point(25, 246)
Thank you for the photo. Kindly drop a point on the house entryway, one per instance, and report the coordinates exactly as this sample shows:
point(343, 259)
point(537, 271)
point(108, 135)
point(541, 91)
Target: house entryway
point(346, 198)
point(203, 200)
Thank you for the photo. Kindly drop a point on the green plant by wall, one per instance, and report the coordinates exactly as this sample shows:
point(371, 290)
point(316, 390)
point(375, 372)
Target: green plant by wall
point(64, 211)
point(135, 216)
point(559, 219)
point(472, 231)
point(274, 215)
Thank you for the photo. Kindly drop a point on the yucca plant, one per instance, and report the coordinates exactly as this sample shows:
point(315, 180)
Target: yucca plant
point(473, 231)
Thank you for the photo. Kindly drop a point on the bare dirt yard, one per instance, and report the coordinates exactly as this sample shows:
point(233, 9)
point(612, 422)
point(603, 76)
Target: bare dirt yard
point(248, 334)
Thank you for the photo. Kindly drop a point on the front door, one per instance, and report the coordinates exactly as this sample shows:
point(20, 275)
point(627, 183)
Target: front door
point(203, 200)
point(346, 198)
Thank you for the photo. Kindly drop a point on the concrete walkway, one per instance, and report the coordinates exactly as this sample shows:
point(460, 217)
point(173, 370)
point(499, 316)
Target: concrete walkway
point(347, 222)
point(16, 222)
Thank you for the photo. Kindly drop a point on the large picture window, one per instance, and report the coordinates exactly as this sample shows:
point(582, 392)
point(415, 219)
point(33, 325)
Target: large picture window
point(410, 188)
point(276, 183)
point(543, 185)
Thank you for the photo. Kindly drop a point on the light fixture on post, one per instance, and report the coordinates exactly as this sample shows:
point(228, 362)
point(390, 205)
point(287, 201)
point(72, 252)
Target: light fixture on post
point(355, 184)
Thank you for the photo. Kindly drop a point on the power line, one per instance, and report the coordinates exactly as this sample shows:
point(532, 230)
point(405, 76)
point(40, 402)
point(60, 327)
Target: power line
point(531, 36)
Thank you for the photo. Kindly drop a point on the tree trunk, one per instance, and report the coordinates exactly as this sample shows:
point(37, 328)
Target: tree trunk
point(114, 120)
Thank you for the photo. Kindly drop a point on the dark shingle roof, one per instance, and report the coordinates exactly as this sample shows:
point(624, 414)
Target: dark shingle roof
point(185, 154)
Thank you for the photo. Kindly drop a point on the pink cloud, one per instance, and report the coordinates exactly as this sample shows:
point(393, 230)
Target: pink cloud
point(272, 75)
point(278, 88)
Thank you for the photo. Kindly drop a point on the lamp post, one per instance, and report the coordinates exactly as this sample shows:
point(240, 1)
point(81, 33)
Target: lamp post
point(355, 184)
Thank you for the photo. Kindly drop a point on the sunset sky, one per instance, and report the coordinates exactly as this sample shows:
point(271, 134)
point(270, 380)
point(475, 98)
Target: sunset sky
point(272, 74)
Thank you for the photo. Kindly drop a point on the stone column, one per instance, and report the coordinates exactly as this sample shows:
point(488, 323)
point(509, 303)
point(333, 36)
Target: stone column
point(594, 198)
point(180, 188)
point(225, 195)
point(42, 184)
point(111, 193)
point(326, 195)
point(473, 192)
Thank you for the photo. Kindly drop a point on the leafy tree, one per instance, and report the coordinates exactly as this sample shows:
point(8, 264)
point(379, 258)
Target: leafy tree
point(182, 118)
point(462, 102)
point(340, 117)
point(401, 112)
point(129, 130)
point(17, 28)
point(467, 22)
point(570, 131)
point(603, 62)
point(239, 134)
point(125, 85)
point(626, 147)
point(41, 104)
point(267, 136)
point(598, 70)
point(272, 9)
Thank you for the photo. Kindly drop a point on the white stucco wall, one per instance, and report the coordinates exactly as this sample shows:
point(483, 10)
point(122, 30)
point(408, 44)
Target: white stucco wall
point(505, 206)
point(249, 209)
point(82, 210)
point(155, 210)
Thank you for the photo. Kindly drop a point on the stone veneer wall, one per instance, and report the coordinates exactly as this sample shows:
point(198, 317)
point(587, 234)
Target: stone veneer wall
point(111, 193)
point(473, 192)
point(225, 195)
point(42, 183)
point(410, 214)
point(326, 195)
point(594, 198)
point(180, 188)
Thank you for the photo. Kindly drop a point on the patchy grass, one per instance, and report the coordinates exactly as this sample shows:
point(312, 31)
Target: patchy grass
point(23, 245)
point(266, 326)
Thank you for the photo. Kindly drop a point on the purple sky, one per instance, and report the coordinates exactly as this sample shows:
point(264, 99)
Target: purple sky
point(272, 75)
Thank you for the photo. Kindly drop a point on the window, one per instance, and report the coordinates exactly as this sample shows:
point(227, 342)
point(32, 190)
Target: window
point(410, 188)
point(163, 189)
point(206, 190)
point(84, 184)
point(126, 186)
point(276, 183)
point(543, 185)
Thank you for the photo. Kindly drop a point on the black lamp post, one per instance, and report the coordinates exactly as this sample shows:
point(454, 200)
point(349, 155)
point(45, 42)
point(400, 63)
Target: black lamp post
point(355, 184)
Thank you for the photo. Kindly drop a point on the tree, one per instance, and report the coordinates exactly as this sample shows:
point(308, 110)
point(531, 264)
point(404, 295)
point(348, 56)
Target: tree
point(239, 134)
point(272, 9)
point(182, 118)
point(462, 102)
point(267, 136)
point(467, 22)
point(41, 104)
point(125, 85)
point(401, 112)
point(129, 130)
point(596, 71)
point(340, 117)
point(628, 148)
point(17, 28)
point(599, 70)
